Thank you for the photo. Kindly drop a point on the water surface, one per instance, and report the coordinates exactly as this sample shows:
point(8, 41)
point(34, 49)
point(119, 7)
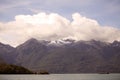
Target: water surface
point(62, 77)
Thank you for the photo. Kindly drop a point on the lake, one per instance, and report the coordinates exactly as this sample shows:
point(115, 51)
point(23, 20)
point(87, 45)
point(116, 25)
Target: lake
point(62, 77)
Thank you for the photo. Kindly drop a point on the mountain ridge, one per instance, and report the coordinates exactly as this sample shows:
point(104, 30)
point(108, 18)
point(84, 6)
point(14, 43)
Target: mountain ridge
point(72, 57)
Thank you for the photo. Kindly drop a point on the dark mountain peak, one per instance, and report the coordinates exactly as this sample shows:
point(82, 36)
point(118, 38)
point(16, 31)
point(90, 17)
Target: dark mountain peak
point(28, 43)
point(32, 40)
point(69, 40)
point(2, 44)
point(6, 47)
point(115, 43)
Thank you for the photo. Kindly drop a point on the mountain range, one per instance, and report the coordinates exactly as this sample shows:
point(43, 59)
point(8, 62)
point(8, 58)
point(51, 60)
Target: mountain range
point(64, 56)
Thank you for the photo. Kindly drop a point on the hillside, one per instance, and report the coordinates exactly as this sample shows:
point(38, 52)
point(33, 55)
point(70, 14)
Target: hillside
point(68, 56)
point(74, 57)
point(13, 69)
point(7, 53)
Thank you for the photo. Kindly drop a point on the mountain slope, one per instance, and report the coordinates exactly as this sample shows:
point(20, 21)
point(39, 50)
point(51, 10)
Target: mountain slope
point(30, 52)
point(7, 53)
point(73, 57)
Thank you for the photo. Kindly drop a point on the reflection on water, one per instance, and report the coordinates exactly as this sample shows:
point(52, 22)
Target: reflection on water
point(62, 77)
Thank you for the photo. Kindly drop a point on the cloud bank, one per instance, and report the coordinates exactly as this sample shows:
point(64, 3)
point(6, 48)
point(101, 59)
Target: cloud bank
point(53, 27)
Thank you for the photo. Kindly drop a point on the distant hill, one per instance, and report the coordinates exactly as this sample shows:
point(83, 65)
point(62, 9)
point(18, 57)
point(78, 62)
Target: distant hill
point(68, 56)
point(13, 69)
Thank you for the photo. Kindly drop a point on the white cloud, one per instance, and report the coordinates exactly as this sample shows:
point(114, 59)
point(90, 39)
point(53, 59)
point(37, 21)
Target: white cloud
point(52, 27)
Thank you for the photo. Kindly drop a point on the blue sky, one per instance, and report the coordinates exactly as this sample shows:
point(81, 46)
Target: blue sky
point(106, 12)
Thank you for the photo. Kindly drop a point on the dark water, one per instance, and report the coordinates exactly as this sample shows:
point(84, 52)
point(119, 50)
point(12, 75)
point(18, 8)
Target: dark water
point(62, 77)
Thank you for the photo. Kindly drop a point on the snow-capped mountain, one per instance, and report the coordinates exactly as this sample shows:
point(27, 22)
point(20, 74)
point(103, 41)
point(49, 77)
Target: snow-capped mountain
point(66, 56)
